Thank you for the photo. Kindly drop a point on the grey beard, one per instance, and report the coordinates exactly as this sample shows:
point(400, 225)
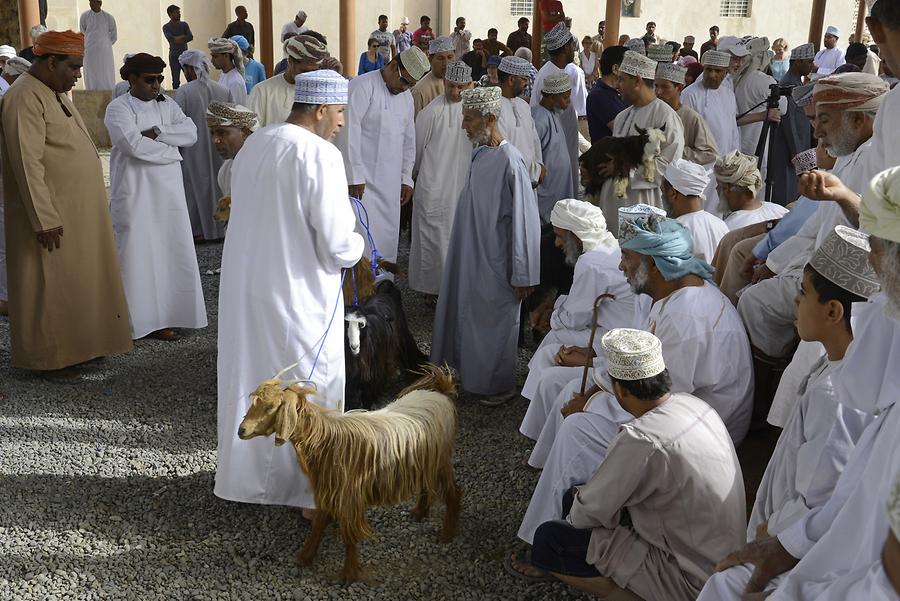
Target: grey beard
point(482, 138)
point(571, 250)
point(890, 282)
point(843, 143)
point(638, 281)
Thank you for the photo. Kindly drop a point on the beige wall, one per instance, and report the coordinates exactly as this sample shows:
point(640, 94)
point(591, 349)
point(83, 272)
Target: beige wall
point(140, 22)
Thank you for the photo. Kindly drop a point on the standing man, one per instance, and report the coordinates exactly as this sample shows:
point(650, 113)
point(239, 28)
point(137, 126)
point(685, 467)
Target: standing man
point(228, 58)
point(495, 47)
point(99, 29)
point(147, 204)
point(461, 38)
point(387, 47)
point(603, 101)
point(476, 325)
point(178, 34)
point(687, 48)
point(636, 77)
point(714, 99)
point(520, 38)
point(795, 133)
point(649, 36)
point(443, 156)
point(424, 27)
point(516, 123)
point(598, 39)
point(440, 54)
point(477, 59)
point(288, 183)
point(254, 71)
point(273, 98)
point(712, 43)
point(402, 35)
point(66, 301)
point(240, 26)
point(699, 142)
point(378, 144)
point(830, 57)
point(557, 183)
point(295, 27)
point(200, 164)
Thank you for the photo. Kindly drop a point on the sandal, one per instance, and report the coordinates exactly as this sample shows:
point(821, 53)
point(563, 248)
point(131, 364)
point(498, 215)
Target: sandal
point(521, 557)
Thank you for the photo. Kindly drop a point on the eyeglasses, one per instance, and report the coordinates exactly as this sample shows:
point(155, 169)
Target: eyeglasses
point(150, 79)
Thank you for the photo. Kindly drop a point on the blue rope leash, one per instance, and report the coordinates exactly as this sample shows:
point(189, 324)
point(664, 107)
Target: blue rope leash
point(327, 329)
point(363, 215)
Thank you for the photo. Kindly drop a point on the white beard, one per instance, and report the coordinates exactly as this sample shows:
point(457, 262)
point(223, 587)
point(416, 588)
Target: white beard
point(638, 282)
point(890, 281)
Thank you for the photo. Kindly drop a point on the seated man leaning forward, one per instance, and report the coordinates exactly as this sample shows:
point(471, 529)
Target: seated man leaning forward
point(668, 497)
point(581, 233)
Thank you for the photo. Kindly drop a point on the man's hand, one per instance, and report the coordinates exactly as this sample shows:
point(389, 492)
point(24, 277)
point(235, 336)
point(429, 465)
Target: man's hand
point(149, 133)
point(179, 39)
point(762, 531)
point(773, 115)
point(543, 174)
point(606, 169)
point(539, 319)
point(575, 405)
point(523, 292)
point(762, 272)
point(406, 194)
point(767, 556)
point(574, 356)
point(749, 266)
point(356, 190)
point(822, 185)
point(50, 239)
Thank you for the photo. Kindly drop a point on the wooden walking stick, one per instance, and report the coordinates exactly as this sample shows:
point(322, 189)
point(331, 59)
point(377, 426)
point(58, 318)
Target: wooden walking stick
point(587, 361)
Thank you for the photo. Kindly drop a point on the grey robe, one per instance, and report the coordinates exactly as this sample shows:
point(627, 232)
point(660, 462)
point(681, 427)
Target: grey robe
point(557, 184)
point(201, 163)
point(494, 247)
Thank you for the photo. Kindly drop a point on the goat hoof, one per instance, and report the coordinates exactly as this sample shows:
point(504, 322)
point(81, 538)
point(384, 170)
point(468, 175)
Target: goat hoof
point(304, 559)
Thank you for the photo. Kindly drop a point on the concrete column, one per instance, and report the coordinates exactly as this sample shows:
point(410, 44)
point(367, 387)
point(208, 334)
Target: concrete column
point(861, 20)
point(347, 24)
point(537, 34)
point(613, 17)
point(817, 23)
point(29, 16)
point(266, 35)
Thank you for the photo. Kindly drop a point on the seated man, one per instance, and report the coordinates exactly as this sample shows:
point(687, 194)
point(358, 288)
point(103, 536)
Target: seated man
point(820, 432)
point(668, 496)
point(582, 235)
point(739, 183)
point(684, 185)
point(704, 344)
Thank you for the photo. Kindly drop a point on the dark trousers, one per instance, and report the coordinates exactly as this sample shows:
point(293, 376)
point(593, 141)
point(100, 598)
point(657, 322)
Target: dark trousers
point(561, 548)
point(176, 67)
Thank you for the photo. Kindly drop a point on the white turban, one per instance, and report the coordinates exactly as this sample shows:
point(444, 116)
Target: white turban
point(227, 46)
point(739, 169)
point(198, 60)
point(16, 66)
point(879, 213)
point(7, 51)
point(687, 178)
point(855, 92)
point(584, 220)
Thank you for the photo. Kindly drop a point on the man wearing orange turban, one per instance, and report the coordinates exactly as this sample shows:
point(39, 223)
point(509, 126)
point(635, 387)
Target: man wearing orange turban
point(66, 298)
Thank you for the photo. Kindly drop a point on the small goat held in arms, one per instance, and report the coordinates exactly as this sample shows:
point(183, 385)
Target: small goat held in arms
point(627, 154)
point(378, 340)
point(366, 459)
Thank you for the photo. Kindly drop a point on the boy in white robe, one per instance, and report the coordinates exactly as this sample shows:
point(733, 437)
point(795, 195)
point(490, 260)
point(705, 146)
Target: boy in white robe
point(820, 432)
point(147, 204)
point(229, 60)
point(846, 534)
point(557, 183)
point(672, 469)
point(636, 77)
point(581, 233)
point(684, 185)
point(99, 29)
point(443, 157)
point(703, 341)
point(201, 163)
point(739, 182)
point(379, 144)
point(516, 122)
point(290, 234)
point(493, 259)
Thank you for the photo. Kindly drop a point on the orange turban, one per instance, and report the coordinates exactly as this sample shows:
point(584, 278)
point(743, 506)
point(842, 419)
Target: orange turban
point(67, 43)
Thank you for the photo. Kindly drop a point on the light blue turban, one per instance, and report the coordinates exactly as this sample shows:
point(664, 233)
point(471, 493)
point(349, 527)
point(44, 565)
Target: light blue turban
point(670, 245)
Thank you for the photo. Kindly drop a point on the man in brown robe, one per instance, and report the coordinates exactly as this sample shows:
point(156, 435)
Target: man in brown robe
point(66, 299)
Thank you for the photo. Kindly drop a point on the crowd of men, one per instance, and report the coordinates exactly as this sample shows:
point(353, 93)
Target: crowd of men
point(665, 299)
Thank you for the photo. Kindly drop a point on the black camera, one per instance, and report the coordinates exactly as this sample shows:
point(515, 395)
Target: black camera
point(776, 92)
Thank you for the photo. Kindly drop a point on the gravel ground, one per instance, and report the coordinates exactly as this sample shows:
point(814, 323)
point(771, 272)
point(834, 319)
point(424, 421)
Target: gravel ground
point(106, 492)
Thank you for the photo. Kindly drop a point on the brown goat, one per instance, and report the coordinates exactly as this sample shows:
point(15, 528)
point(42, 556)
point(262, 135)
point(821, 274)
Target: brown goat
point(364, 459)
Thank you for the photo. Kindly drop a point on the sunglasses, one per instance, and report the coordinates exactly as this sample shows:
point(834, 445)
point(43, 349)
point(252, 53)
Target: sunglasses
point(150, 79)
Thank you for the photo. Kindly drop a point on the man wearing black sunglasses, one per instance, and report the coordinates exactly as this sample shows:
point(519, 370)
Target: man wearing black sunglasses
point(378, 142)
point(148, 207)
point(66, 301)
